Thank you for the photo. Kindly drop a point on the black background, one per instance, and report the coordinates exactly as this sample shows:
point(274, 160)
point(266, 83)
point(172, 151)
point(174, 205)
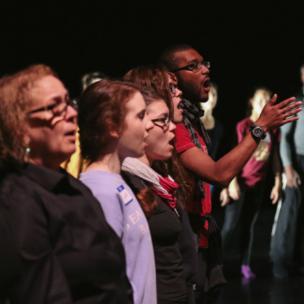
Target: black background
point(249, 43)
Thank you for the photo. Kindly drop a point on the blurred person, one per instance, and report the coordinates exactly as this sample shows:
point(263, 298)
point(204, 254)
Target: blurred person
point(61, 249)
point(287, 250)
point(113, 125)
point(90, 78)
point(212, 125)
point(247, 190)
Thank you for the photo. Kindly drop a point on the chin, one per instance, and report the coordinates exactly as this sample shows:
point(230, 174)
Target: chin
point(178, 118)
point(136, 153)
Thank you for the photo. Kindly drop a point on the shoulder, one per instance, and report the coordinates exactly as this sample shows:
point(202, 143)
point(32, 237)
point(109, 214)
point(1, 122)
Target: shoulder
point(134, 182)
point(16, 189)
point(183, 139)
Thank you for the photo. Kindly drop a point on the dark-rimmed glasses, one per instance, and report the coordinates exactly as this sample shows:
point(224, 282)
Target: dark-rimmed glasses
point(58, 108)
point(194, 67)
point(162, 122)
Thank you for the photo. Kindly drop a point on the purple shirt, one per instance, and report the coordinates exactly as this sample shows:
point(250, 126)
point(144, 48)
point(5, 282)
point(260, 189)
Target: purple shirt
point(124, 214)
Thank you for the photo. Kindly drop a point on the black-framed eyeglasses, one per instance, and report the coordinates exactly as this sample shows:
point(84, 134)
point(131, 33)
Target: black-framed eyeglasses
point(56, 109)
point(162, 122)
point(194, 67)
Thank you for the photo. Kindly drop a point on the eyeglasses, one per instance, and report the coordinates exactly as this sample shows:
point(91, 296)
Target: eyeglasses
point(56, 109)
point(162, 122)
point(194, 67)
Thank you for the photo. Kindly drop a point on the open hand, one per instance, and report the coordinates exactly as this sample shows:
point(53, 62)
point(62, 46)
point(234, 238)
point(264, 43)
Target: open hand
point(277, 114)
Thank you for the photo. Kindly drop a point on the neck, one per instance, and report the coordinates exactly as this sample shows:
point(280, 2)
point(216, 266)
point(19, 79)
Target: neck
point(48, 163)
point(145, 160)
point(109, 162)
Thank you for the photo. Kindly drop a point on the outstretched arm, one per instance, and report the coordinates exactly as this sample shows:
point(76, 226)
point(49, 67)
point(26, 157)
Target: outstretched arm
point(223, 170)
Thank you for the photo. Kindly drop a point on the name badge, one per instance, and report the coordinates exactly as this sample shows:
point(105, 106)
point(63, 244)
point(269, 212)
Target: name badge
point(125, 197)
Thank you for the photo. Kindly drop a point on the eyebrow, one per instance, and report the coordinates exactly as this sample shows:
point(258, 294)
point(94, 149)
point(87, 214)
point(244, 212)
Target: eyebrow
point(50, 104)
point(163, 115)
point(141, 111)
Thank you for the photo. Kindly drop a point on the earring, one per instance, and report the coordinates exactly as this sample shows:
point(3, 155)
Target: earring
point(27, 154)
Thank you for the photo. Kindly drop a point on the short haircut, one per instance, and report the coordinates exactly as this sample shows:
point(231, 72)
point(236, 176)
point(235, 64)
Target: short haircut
point(102, 108)
point(167, 57)
point(15, 102)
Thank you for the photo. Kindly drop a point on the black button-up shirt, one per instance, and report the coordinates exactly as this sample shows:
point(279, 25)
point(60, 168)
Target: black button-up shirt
point(55, 244)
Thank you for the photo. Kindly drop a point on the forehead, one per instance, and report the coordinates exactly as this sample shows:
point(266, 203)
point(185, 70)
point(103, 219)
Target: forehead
point(157, 107)
point(136, 103)
point(186, 56)
point(47, 88)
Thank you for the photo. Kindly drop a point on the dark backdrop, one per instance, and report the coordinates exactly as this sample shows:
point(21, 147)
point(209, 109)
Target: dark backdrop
point(249, 44)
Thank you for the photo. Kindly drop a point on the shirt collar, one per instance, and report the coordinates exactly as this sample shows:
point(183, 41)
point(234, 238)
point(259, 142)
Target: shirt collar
point(45, 177)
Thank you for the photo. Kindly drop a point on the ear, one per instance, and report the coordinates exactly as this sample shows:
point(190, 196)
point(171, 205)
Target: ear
point(114, 134)
point(26, 140)
point(113, 131)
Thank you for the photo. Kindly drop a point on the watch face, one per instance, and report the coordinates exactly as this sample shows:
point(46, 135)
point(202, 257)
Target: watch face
point(258, 132)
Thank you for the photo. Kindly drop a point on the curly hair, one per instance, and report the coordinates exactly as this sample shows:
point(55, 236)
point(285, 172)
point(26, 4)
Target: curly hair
point(15, 101)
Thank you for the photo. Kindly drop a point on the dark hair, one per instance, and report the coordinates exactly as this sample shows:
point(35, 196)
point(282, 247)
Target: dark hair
point(102, 108)
point(167, 57)
point(15, 102)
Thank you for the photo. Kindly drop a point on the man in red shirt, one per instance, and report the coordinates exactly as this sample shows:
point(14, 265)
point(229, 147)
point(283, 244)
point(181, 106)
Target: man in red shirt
point(192, 72)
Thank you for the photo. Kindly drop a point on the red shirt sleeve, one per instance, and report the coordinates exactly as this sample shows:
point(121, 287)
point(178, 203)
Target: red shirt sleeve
point(183, 141)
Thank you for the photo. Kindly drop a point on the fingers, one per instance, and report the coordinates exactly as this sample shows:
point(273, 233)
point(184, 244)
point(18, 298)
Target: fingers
point(288, 120)
point(292, 106)
point(273, 99)
point(286, 102)
point(298, 181)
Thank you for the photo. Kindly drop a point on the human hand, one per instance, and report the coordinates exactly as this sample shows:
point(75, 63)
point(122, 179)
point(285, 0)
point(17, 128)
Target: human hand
point(275, 194)
point(293, 179)
point(277, 114)
point(224, 197)
point(234, 190)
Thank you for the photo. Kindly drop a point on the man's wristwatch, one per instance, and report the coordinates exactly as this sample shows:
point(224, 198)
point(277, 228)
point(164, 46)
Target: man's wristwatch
point(257, 132)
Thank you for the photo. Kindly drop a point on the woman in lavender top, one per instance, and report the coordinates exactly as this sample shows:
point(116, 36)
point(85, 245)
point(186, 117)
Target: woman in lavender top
point(113, 126)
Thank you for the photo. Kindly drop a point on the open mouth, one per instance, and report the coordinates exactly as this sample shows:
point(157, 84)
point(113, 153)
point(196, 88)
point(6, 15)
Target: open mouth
point(206, 83)
point(180, 105)
point(171, 142)
point(70, 133)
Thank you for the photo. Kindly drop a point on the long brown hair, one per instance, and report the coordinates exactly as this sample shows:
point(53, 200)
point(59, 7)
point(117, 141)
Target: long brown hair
point(156, 79)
